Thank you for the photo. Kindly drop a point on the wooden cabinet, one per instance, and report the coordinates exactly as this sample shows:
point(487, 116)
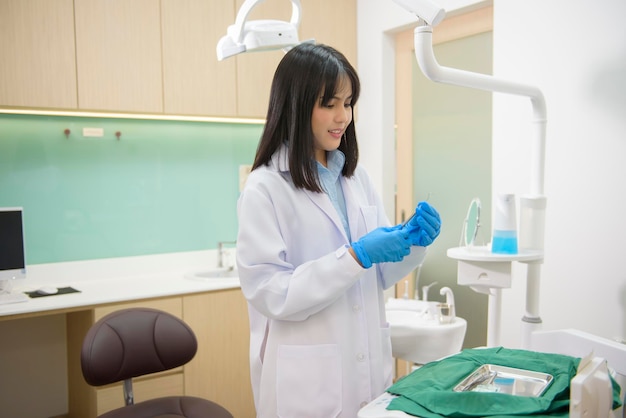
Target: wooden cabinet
point(149, 56)
point(194, 82)
point(256, 70)
point(332, 23)
point(118, 55)
point(219, 371)
point(327, 21)
point(37, 57)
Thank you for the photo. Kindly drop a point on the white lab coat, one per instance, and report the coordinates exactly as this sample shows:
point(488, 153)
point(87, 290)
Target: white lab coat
point(319, 344)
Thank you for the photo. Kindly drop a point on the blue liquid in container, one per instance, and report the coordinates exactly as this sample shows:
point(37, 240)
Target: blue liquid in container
point(504, 242)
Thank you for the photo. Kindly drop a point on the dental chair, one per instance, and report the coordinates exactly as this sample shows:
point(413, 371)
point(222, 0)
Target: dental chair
point(134, 342)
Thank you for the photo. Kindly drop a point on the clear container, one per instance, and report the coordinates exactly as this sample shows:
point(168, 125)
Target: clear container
point(504, 237)
point(532, 222)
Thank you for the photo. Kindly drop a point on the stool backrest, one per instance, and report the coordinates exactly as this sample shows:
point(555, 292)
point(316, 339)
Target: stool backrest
point(135, 342)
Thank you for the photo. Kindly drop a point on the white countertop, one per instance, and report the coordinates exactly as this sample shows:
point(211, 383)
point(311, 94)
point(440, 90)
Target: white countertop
point(115, 280)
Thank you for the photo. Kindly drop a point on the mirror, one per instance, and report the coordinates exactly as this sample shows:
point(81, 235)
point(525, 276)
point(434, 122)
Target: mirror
point(471, 224)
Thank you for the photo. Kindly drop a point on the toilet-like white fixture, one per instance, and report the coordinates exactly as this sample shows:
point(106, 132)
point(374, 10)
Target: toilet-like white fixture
point(420, 333)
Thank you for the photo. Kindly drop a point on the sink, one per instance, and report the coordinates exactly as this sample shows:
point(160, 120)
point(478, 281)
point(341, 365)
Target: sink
point(418, 336)
point(213, 274)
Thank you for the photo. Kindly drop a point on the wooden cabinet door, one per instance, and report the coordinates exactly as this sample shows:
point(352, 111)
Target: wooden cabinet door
point(327, 21)
point(37, 63)
point(194, 81)
point(255, 70)
point(172, 305)
point(331, 22)
point(118, 55)
point(220, 371)
point(149, 57)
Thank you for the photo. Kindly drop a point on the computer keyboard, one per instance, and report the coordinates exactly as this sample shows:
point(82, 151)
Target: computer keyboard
point(6, 298)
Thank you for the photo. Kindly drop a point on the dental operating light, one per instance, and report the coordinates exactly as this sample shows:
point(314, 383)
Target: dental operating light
point(259, 35)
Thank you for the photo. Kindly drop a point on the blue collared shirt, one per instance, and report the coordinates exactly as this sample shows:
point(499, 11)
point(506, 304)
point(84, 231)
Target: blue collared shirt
point(331, 183)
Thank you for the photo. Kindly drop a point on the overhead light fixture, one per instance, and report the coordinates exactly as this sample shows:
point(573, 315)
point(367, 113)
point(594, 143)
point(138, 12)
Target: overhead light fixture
point(259, 35)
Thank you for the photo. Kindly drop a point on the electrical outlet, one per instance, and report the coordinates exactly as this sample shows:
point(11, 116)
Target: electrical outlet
point(244, 170)
point(93, 132)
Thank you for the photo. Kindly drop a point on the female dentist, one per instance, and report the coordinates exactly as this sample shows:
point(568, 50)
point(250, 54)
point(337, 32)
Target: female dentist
point(315, 250)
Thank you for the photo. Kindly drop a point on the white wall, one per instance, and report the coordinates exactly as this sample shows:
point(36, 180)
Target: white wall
point(377, 21)
point(577, 57)
point(576, 54)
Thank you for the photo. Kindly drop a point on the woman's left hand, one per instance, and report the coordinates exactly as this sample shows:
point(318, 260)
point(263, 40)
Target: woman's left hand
point(425, 226)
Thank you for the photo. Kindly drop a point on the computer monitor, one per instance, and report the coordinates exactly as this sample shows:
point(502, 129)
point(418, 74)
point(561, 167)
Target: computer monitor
point(12, 248)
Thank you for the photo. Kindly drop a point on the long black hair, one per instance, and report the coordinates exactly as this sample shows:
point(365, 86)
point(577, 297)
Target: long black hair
point(305, 73)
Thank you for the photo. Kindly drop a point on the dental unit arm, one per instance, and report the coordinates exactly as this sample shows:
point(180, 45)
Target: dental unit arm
point(532, 220)
point(430, 15)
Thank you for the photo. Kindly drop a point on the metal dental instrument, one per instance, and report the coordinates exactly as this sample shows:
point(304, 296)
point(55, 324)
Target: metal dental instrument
point(479, 379)
point(405, 223)
point(409, 220)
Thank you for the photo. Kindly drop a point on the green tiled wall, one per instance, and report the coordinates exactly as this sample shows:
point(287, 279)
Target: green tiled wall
point(165, 186)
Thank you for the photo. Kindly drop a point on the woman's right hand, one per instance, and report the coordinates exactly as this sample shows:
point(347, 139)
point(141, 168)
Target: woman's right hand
point(382, 245)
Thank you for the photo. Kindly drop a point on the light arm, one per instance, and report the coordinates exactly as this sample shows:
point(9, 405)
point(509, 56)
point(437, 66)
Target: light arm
point(431, 69)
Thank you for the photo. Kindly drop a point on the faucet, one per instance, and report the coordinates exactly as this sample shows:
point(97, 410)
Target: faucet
point(449, 301)
point(220, 254)
point(425, 291)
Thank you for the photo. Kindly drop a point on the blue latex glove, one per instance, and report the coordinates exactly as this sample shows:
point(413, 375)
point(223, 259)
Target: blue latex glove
point(424, 226)
point(383, 245)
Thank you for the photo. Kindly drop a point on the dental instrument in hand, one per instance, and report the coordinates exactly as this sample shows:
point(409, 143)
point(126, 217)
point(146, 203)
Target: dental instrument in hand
point(405, 223)
point(425, 228)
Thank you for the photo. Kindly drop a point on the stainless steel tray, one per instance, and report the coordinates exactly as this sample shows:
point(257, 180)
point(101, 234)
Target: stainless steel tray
point(493, 378)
